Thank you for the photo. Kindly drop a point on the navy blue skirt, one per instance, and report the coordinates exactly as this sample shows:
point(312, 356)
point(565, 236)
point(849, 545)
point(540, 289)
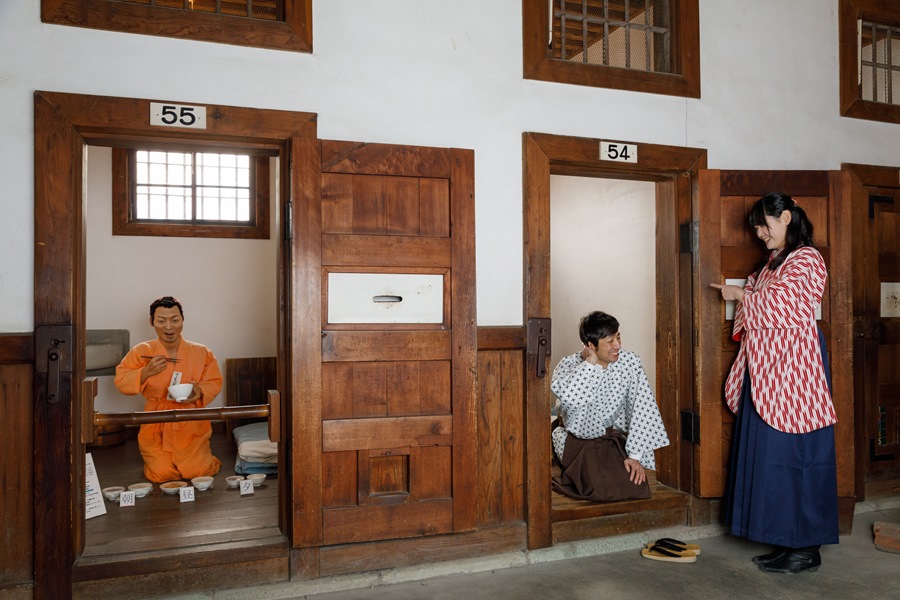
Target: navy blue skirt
point(782, 487)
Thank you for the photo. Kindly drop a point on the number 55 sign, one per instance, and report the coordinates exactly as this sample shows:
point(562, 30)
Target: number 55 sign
point(177, 115)
point(618, 152)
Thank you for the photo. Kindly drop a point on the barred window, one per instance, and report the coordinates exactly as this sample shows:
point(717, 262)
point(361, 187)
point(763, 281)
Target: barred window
point(640, 45)
point(173, 192)
point(629, 34)
point(869, 45)
point(275, 24)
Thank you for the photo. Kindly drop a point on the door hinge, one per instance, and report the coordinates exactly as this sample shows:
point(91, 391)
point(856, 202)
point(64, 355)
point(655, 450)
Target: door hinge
point(690, 427)
point(538, 344)
point(873, 200)
point(53, 356)
point(689, 236)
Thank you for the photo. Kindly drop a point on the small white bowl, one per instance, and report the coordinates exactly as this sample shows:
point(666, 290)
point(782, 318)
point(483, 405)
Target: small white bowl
point(112, 493)
point(202, 483)
point(257, 478)
point(171, 487)
point(141, 490)
point(233, 481)
point(181, 392)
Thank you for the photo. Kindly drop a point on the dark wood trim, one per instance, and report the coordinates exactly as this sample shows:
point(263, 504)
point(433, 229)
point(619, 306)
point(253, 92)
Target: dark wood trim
point(501, 338)
point(685, 81)
point(294, 33)
point(676, 171)
point(759, 183)
point(849, 12)
point(16, 348)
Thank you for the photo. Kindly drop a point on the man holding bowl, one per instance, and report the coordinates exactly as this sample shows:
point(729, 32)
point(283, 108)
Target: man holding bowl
point(172, 450)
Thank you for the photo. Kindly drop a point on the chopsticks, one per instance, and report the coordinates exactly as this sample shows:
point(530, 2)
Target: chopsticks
point(172, 360)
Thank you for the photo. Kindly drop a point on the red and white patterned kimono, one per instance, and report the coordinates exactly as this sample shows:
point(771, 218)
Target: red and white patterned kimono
point(776, 325)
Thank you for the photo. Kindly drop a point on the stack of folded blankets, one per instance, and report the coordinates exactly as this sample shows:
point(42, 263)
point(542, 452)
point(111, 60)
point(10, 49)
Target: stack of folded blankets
point(256, 454)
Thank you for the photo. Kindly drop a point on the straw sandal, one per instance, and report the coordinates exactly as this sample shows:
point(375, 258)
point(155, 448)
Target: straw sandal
point(659, 553)
point(675, 545)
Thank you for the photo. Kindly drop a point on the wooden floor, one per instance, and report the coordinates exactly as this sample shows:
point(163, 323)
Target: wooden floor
point(161, 524)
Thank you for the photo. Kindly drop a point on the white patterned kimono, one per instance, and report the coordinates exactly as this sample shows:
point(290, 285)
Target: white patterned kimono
point(593, 398)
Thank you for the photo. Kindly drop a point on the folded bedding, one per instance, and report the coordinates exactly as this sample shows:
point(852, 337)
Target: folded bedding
point(254, 445)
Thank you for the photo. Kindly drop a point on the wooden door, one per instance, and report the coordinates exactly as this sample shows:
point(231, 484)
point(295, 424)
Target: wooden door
point(397, 387)
point(878, 330)
point(728, 249)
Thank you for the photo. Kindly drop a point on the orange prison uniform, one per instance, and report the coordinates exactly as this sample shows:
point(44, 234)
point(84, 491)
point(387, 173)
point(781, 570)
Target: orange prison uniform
point(173, 450)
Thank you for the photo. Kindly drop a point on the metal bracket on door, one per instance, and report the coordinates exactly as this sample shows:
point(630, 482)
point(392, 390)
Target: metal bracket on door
point(538, 344)
point(53, 356)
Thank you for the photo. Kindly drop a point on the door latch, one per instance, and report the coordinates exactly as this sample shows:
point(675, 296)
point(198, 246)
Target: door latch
point(53, 356)
point(538, 344)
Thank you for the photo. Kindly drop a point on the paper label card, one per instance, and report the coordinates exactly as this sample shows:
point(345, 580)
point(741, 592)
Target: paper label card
point(126, 499)
point(93, 500)
point(186, 493)
point(246, 487)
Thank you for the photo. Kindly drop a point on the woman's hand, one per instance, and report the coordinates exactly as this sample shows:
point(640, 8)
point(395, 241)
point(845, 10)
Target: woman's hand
point(729, 292)
point(635, 471)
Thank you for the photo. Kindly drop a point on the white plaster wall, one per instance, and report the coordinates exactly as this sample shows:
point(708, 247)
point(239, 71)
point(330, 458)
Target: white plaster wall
point(227, 287)
point(447, 74)
point(603, 257)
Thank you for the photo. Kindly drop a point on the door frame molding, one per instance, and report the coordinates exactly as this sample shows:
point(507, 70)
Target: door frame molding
point(674, 169)
point(63, 125)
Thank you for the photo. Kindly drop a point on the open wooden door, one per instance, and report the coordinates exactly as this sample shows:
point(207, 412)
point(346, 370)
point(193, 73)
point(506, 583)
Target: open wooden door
point(396, 364)
point(728, 249)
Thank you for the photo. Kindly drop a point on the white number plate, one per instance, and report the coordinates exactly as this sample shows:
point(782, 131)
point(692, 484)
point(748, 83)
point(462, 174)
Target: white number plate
point(618, 152)
point(177, 115)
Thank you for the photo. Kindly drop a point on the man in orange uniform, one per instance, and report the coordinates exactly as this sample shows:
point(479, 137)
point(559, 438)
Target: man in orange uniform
point(172, 450)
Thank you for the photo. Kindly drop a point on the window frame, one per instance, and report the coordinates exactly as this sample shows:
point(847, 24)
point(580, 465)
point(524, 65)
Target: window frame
point(852, 104)
point(123, 196)
point(683, 81)
point(294, 33)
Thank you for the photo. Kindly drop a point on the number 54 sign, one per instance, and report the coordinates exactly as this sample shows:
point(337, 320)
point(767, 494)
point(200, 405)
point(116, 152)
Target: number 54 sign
point(618, 152)
point(177, 115)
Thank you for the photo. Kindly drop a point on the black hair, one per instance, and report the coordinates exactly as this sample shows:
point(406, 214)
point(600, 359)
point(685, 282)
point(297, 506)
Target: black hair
point(165, 302)
point(595, 326)
point(799, 230)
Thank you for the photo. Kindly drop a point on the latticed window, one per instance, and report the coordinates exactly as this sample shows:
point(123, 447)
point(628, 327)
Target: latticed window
point(630, 34)
point(269, 10)
point(190, 193)
point(879, 62)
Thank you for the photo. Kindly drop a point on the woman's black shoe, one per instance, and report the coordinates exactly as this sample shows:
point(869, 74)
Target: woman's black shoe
point(795, 561)
point(776, 554)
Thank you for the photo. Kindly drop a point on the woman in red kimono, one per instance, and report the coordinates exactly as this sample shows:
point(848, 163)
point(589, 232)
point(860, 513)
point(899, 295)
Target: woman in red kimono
point(177, 450)
point(782, 487)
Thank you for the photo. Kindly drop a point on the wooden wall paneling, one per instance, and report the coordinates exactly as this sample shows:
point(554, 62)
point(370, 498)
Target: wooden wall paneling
point(512, 456)
point(667, 284)
point(386, 250)
point(434, 207)
point(339, 479)
point(490, 438)
point(388, 345)
point(387, 521)
point(16, 470)
point(392, 432)
point(337, 390)
point(431, 469)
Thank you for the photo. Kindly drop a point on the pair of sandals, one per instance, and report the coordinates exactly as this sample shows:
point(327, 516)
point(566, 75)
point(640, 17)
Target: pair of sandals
point(671, 550)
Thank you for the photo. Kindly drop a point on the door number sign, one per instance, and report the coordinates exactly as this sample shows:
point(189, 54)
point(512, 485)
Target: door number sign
point(619, 152)
point(177, 115)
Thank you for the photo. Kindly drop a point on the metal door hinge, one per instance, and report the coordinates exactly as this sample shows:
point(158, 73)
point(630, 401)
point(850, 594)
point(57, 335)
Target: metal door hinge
point(538, 344)
point(53, 356)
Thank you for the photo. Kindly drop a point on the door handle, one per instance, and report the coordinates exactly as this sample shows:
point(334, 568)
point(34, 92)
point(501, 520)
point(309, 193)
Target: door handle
point(55, 343)
point(538, 344)
point(53, 356)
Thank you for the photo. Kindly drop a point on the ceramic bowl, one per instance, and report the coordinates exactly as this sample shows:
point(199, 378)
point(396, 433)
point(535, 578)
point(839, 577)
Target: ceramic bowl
point(141, 489)
point(233, 481)
point(181, 392)
point(112, 493)
point(171, 487)
point(202, 483)
point(257, 478)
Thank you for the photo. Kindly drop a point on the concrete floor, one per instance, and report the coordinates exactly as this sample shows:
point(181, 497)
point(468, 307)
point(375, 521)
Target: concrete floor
point(614, 568)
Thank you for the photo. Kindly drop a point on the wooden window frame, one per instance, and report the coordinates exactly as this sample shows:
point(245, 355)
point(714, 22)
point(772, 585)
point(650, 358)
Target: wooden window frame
point(294, 33)
point(852, 104)
point(683, 81)
point(124, 222)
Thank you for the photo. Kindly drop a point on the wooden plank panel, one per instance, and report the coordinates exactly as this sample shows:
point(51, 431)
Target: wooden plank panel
point(346, 525)
point(377, 159)
point(389, 474)
point(368, 205)
point(401, 205)
point(385, 345)
point(431, 470)
point(816, 209)
point(759, 183)
point(434, 386)
point(369, 390)
point(512, 459)
point(403, 389)
point(434, 207)
point(385, 250)
point(16, 447)
point(490, 437)
point(337, 203)
point(391, 432)
point(337, 390)
point(339, 479)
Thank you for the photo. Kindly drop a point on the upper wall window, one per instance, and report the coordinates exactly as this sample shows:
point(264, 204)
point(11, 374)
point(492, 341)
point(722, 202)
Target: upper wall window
point(640, 45)
point(186, 193)
point(275, 24)
point(870, 60)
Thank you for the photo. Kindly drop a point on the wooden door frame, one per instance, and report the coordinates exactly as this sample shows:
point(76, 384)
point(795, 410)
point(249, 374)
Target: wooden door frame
point(859, 177)
point(674, 170)
point(64, 125)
